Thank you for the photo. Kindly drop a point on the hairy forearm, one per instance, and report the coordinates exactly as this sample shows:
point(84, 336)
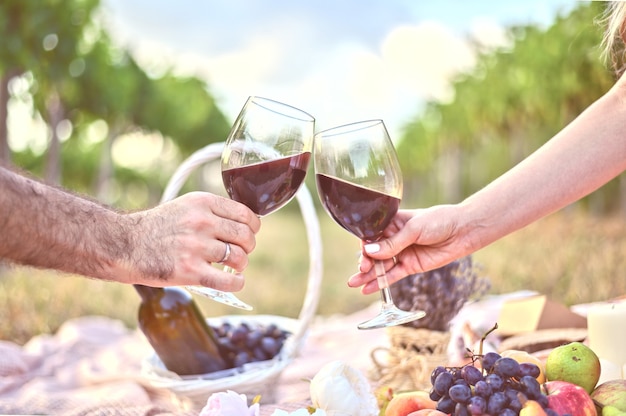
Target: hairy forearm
point(174, 243)
point(47, 227)
point(578, 160)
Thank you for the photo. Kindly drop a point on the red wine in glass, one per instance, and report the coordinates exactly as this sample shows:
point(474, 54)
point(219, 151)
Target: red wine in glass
point(265, 187)
point(363, 212)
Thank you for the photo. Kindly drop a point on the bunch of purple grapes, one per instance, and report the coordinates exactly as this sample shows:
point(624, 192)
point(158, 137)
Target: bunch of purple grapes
point(244, 343)
point(496, 390)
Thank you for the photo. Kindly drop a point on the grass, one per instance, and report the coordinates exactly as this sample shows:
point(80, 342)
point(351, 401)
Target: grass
point(571, 257)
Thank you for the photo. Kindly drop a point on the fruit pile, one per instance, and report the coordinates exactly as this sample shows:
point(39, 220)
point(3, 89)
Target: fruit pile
point(516, 383)
point(244, 343)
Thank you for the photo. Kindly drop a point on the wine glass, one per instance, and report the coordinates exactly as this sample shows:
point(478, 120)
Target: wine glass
point(360, 185)
point(264, 162)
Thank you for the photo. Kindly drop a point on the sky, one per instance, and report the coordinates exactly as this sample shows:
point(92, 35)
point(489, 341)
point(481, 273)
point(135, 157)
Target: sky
point(340, 60)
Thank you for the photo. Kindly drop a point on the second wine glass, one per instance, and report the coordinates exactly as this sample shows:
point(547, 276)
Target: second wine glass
point(360, 185)
point(264, 163)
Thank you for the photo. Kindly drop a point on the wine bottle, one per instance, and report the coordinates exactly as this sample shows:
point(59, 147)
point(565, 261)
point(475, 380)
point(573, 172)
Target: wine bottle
point(180, 336)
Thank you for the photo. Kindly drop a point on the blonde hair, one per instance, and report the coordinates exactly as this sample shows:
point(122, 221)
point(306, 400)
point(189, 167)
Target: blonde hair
point(613, 41)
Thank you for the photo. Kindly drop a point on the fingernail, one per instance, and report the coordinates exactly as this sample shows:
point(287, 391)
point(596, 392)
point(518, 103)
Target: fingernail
point(372, 248)
point(351, 281)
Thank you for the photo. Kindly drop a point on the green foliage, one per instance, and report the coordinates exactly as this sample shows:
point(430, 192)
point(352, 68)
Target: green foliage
point(59, 43)
point(42, 33)
point(182, 108)
point(514, 100)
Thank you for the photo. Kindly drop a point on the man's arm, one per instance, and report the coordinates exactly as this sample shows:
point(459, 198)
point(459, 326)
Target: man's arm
point(172, 244)
point(43, 226)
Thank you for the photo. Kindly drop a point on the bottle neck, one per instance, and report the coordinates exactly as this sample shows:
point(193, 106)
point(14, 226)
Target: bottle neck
point(147, 292)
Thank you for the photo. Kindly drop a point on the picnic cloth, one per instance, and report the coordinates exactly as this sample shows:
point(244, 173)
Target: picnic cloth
point(92, 365)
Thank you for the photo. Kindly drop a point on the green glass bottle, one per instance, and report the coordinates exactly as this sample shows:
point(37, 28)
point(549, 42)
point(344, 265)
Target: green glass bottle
point(179, 334)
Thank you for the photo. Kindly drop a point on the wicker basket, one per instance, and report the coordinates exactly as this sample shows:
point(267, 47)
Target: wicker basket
point(412, 356)
point(254, 378)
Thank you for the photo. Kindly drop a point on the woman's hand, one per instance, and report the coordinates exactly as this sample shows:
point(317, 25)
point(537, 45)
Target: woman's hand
point(416, 241)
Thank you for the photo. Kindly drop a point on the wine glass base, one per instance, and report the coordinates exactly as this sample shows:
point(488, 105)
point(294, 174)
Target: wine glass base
point(226, 298)
point(391, 317)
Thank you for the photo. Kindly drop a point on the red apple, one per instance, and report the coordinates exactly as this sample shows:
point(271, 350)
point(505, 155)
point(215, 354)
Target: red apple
point(611, 393)
point(405, 403)
point(568, 398)
point(427, 412)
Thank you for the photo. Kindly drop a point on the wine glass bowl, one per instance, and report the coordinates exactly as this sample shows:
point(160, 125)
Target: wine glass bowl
point(264, 163)
point(266, 156)
point(359, 182)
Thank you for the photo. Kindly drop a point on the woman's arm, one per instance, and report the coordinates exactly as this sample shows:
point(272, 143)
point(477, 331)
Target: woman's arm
point(582, 157)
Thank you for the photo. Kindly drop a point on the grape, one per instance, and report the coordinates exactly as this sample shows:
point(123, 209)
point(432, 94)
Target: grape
point(253, 338)
point(498, 391)
point(243, 343)
point(515, 405)
point(258, 354)
point(508, 412)
point(542, 399)
point(477, 405)
point(495, 381)
point(512, 394)
point(226, 344)
point(529, 369)
point(483, 389)
point(471, 374)
point(270, 345)
point(489, 360)
point(222, 330)
point(506, 367)
point(442, 383)
point(456, 374)
point(446, 405)
point(496, 403)
point(434, 396)
point(241, 358)
point(550, 412)
point(530, 386)
point(460, 393)
point(438, 370)
point(513, 397)
point(273, 330)
point(239, 335)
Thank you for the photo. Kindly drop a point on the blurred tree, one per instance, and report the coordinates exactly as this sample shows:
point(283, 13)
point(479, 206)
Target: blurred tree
point(41, 37)
point(77, 78)
point(181, 107)
point(109, 87)
point(515, 99)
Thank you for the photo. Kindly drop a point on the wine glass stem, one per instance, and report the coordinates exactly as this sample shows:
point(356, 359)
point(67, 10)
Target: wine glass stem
point(383, 284)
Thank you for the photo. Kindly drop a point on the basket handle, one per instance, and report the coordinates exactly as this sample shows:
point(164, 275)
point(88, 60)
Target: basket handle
point(311, 221)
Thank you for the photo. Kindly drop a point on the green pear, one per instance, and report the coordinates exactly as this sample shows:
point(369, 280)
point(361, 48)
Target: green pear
point(575, 363)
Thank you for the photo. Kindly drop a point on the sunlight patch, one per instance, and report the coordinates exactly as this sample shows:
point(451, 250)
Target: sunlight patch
point(139, 151)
